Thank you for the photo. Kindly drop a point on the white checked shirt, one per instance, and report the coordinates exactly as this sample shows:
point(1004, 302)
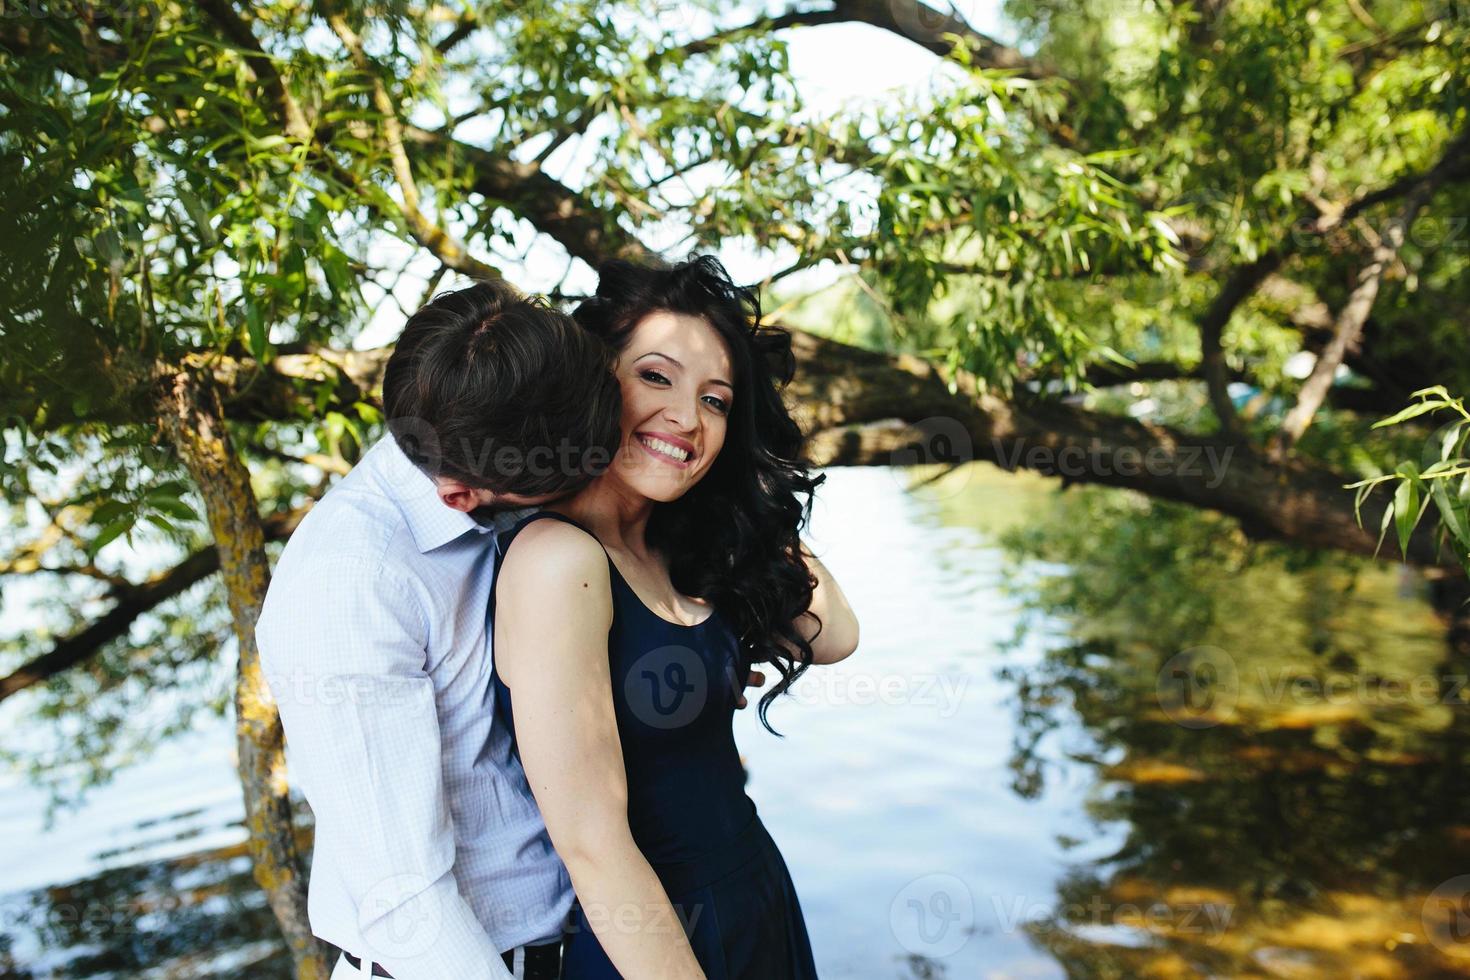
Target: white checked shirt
point(431, 856)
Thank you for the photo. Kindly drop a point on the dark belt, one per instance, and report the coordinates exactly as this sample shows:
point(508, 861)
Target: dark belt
point(541, 962)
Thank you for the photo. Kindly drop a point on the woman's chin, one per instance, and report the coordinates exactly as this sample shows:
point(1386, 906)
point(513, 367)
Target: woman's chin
point(642, 480)
point(661, 488)
point(661, 492)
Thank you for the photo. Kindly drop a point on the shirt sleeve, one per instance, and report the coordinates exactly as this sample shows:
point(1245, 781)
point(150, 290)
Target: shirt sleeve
point(343, 644)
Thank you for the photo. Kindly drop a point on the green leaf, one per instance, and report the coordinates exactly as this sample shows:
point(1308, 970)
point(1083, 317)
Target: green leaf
point(1388, 513)
point(1406, 510)
point(1432, 390)
point(162, 523)
point(168, 489)
point(257, 342)
point(337, 270)
point(111, 511)
point(266, 142)
point(108, 534)
point(176, 508)
point(1449, 513)
point(1413, 411)
point(198, 214)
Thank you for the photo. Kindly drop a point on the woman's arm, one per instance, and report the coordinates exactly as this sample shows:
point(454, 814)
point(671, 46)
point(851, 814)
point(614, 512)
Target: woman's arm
point(552, 613)
point(838, 636)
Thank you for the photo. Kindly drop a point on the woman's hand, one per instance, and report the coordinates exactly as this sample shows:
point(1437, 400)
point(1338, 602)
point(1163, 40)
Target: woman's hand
point(754, 679)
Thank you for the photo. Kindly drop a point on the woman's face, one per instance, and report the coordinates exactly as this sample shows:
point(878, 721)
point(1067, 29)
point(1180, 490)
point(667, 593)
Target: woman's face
point(677, 393)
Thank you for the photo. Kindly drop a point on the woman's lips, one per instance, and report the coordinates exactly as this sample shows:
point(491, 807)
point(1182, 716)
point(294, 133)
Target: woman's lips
point(666, 449)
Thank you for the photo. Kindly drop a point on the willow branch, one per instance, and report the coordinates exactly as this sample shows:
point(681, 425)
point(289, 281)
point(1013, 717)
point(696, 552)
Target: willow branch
point(428, 234)
point(1348, 324)
point(130, 601)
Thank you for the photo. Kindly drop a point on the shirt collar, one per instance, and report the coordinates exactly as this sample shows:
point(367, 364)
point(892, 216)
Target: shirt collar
point(430, 522)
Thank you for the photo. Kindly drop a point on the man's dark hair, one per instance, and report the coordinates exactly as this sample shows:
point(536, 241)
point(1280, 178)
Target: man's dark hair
point(503, 393)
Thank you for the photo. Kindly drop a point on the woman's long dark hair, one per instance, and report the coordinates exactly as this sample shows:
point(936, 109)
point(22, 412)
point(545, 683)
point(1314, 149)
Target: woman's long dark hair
point(733, 539)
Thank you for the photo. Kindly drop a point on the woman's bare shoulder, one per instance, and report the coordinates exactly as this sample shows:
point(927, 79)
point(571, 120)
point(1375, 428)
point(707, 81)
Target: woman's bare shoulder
point(556, 556)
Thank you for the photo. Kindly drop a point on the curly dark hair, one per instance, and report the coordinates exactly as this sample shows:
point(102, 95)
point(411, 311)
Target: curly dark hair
point(734, 538)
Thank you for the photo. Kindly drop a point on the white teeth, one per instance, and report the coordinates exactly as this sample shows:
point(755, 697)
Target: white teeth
point(659, 446)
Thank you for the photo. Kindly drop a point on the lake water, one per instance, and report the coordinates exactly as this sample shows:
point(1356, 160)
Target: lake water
point(1005, 780)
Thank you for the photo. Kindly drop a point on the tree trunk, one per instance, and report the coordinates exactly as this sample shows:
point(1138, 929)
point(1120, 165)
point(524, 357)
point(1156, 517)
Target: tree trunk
point(189, 409)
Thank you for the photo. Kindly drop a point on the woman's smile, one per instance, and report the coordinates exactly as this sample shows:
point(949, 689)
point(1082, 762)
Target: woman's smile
point(666, 448)
point(675, 374)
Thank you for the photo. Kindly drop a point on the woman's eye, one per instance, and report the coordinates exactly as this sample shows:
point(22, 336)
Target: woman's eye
point(654, 377)
point(717, 403)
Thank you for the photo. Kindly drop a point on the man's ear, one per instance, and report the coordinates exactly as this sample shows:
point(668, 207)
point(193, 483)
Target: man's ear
point(460, 496)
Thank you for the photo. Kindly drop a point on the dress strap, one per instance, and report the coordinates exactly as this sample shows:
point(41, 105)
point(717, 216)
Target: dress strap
point(504, 538)
point(537, 515)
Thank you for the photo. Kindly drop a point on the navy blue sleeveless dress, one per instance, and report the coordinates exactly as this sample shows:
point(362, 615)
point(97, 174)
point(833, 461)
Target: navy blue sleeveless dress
point(674, 691)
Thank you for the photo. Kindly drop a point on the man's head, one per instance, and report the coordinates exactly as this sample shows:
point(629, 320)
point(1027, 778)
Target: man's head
point(500, 399)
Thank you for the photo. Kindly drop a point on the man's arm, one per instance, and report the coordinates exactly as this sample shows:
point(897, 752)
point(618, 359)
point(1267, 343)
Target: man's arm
point(553, 611)
point(343, 645)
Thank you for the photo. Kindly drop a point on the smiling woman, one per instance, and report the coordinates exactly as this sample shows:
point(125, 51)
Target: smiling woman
point(694, 359)
point(675, 402)
point(622, 701)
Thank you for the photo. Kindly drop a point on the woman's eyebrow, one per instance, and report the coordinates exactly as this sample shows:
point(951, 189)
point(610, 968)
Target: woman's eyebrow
point(675, 361)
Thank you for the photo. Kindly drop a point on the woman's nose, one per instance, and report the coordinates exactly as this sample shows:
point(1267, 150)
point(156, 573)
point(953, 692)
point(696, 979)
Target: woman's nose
point(681, 413)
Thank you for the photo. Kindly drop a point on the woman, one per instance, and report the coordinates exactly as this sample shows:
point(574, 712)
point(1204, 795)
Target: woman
point(627, 618)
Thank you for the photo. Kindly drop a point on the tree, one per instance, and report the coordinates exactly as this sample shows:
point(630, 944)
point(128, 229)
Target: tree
point(1077, 254)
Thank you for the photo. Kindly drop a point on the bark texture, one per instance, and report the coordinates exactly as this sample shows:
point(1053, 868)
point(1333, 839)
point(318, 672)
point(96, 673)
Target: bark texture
point(190, 413)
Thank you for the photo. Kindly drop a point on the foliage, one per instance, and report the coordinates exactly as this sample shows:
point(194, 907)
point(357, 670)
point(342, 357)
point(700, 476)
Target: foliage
point(1441, 480)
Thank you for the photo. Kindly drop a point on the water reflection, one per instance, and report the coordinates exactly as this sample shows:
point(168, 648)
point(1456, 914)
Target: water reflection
point(1283, 735)
point(197, 916)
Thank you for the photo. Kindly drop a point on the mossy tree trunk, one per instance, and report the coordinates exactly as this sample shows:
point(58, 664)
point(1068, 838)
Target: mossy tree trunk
point(191, 417)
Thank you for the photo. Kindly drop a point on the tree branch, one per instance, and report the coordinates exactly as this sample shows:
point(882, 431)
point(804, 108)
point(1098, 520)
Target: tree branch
point(237, 28)
point(840, 389)
point(1238, 287)
point(468, 21)
point(26, 559)
point(1348, 325)
point(866, 408)
point(918, 22)
point(860, 407)
point(930, 28)
point(438, 241)
point(761, 25)
point(1243, 280)
point(581, 227)
point(131, 601)
point(428, 234)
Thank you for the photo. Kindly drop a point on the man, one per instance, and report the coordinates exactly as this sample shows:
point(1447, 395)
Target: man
point(431, 859)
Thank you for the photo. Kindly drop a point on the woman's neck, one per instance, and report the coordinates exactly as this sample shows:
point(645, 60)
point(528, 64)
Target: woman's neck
point(616, 515)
